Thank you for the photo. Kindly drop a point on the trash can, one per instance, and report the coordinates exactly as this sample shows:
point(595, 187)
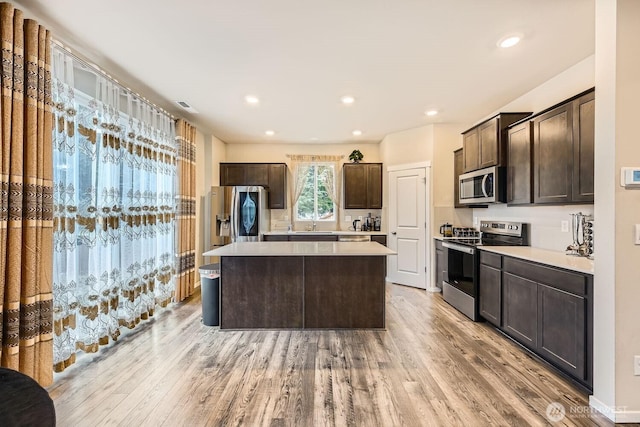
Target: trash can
point(210, 292)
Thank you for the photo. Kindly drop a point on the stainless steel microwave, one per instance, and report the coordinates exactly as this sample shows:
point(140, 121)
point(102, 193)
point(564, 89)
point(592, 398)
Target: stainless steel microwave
point(483, 186)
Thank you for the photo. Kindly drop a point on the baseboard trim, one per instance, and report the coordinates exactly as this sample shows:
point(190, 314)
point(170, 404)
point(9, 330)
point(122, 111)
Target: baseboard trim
point(616, 414)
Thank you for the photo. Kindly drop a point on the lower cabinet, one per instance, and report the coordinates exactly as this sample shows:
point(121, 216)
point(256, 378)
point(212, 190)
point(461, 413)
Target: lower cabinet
point(440, 264)
point(490, 293)
point(380, 238)
point(547, 309)
point(520, 308)
point(561, 329)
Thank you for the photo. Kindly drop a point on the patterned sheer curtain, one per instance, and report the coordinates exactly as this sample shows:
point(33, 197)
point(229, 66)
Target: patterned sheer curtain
point(300, 164)
point(25, 197)
point(186, 209)
point(114, 174)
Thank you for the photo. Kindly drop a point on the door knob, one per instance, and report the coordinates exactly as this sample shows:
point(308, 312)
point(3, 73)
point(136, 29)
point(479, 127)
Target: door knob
point(394, 233)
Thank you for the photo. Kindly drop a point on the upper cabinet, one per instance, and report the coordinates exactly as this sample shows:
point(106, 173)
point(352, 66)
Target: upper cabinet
point(458, 166)
point(484, 145)
point(277, 186)
point(563, 145)
point(519, 169)
point(272, 176)
point(583, 147)
point(362, 185)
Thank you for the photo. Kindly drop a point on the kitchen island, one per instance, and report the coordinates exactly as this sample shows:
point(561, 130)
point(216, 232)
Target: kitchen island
point(293, 285)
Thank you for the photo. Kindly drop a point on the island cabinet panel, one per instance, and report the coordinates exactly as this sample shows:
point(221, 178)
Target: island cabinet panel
point(344, 292)
point(263, 292)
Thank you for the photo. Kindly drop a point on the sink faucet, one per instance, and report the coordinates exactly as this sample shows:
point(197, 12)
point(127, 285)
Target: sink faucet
point(314, 226)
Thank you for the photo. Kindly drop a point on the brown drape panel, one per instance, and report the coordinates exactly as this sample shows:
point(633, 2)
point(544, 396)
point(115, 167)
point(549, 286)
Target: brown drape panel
point(186, 209)
point(26, 209)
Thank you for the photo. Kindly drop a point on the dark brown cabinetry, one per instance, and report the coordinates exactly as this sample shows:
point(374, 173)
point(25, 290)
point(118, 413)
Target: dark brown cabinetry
point(583, 149)
point(519, 170)
point(380, 238)
point(362, 185)
point(490, 287)
point(458, 169)
point(563, 145)
point(485, 144)
point(277, 186)
point(520, 309)
point(272, 176)
point(440, 264)
point(550, 310)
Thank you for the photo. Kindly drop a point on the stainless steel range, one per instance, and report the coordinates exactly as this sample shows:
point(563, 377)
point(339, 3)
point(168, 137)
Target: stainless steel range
point(460, 286)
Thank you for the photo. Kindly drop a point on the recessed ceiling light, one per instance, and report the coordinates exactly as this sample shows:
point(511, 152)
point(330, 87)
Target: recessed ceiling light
point(431, 112)
point(509, 41)
point(269, 132)
point(347, 99)
point(357, 132)
point(252, 99)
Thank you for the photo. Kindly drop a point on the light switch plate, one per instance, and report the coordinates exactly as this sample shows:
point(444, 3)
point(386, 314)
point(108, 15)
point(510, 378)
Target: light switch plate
point(637, 241)
point(636, 365)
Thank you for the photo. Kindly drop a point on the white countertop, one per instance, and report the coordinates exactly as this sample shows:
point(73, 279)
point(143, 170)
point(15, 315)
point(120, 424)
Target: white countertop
point(321, 232)
point(301, 249)
point(544, 256)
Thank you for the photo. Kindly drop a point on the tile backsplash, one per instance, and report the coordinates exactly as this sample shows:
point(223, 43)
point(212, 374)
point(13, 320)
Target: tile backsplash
point(545, 230)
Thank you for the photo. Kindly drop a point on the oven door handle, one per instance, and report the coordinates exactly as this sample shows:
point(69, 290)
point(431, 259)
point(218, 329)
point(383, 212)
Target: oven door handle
point(459, 248)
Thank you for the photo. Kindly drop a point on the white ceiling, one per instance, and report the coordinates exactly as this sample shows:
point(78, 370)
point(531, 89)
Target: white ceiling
point(397, 58)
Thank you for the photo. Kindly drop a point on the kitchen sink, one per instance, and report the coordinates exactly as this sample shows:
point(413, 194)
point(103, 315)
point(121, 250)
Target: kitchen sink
point(311, 232)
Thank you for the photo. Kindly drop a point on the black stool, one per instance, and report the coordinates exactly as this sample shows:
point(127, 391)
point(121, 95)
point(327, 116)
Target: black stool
point(23, 402)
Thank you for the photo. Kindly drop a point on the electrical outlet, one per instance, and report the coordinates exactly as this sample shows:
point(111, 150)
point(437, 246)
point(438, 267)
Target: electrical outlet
point(636, 365)
point(637, 234)
point(475, 220)
point(564, 226)
point(347, 218)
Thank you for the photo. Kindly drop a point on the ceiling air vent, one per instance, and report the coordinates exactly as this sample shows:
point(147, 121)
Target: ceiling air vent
point(187, 107)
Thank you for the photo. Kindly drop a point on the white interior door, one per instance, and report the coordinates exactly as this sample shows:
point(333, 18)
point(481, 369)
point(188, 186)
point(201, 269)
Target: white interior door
point(407, 227)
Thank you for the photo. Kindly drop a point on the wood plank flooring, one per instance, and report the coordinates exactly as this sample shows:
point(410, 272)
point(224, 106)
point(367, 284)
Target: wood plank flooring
point(431, 367)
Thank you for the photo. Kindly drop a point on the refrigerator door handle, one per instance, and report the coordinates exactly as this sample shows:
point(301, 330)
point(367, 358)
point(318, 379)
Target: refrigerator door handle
point(234, 215)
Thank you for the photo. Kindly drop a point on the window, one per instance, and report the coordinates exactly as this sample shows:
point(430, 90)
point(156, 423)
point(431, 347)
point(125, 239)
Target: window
point(315, 202)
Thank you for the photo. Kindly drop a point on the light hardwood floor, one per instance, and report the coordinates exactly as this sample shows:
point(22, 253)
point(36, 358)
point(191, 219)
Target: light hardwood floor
point(432, 366)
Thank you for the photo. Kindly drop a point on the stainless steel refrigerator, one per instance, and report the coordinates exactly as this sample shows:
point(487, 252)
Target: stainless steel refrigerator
point(238, 214)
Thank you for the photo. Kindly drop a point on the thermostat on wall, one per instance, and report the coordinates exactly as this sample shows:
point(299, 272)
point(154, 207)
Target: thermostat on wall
point(630, 177)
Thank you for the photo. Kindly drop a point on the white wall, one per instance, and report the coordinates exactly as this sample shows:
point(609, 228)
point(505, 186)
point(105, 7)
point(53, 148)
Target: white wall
point(210, 151)
point(616, 325)
point(545, 229)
